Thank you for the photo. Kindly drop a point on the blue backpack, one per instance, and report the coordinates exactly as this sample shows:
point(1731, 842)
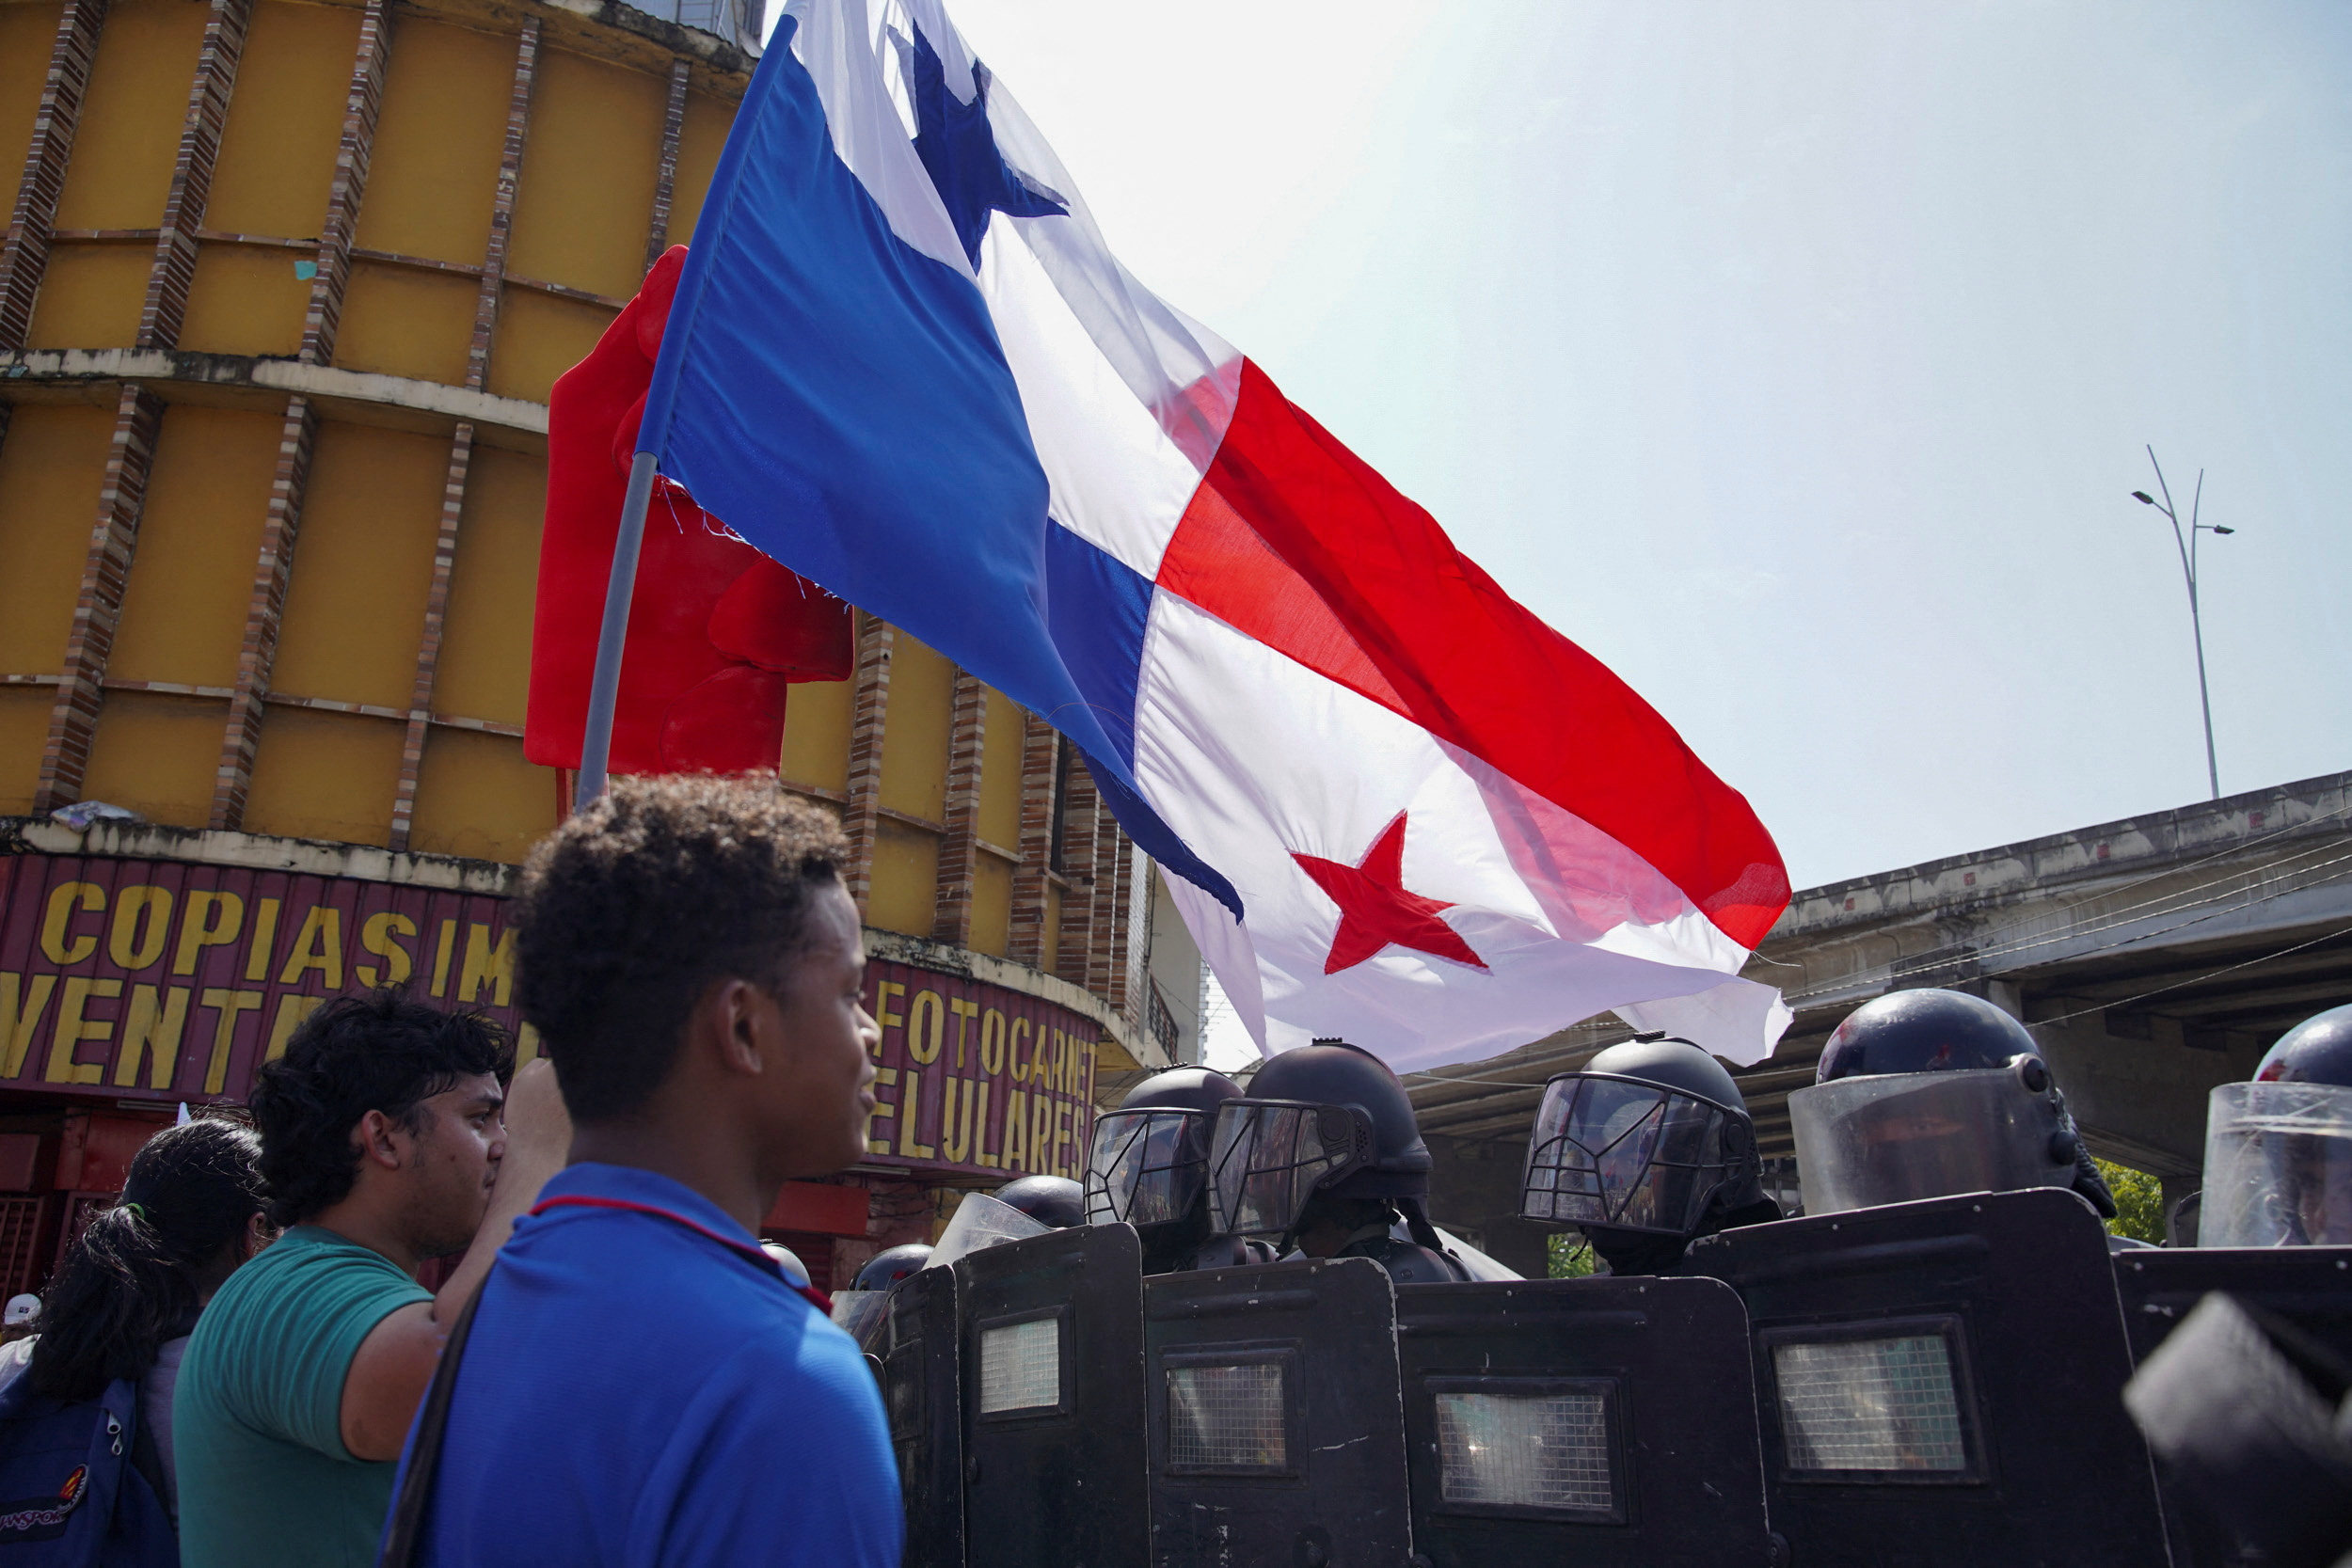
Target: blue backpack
point(77, 1487)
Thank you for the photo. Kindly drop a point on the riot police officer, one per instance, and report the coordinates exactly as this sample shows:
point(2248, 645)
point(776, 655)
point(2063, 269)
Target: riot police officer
point(1647, 1149)
point(892, 1264)
point(1148, 1167)
point(1930, 1093)
point(1324, 1153)
point(2279, 1149)
point(1055, 1202)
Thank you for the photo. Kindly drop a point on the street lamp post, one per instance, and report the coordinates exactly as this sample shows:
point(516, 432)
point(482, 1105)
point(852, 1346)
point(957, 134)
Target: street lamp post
point(2186, 541)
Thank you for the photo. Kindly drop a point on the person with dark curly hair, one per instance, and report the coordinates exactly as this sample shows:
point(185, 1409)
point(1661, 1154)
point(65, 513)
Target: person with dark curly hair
point(387, 1139)
point(688, 954)
point(131, 1288)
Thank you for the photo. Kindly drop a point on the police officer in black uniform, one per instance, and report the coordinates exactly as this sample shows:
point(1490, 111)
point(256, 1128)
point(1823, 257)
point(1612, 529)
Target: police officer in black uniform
point(1647, 1149)
point(1055, 1202)
point(1930, 1093)
point(1147, 1166)
point(1323, 1154)
point(2279, 1149)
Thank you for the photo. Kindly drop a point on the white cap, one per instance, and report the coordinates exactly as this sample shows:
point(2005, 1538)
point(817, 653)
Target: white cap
point(21, 1309)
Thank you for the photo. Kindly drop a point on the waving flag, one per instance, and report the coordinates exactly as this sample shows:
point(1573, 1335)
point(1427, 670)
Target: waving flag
point(1400, 807)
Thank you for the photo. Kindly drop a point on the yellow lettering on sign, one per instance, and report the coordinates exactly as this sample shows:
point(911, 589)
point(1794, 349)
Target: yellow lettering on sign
point(230, 1004)
point(1041, 1131)
point(72, 1029)
point(487, 965)
point(318, 946)
point(526, 1045)
point(292, 1010)
point(22, 1003)
point(965, 1013)
point(207, 920)
point(885, 1018)
point(955, 1138)
point(924, 1022)
point(142, 926)
point(65, 899)
point(264, 943)
point(1092, 1050)
point(911, 1108)
point(1020, 1065)
point(884, 1078)
point(1061, 1135)
point(1040, 1075)
point(978, 1094)
point(991, 1042)
point(442, 951)
point(1061, 1062)
point(1015, 1154)
point(380, 936)
point(151, 1026)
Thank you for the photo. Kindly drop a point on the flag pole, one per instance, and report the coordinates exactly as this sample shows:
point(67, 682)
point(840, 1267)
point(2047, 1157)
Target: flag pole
point(604, 688)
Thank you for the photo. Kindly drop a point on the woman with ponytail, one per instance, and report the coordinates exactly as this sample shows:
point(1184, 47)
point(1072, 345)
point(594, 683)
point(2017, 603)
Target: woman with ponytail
point(127, 1295)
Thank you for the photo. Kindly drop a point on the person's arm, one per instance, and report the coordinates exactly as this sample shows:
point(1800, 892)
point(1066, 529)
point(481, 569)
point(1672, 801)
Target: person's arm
point(394, 1363)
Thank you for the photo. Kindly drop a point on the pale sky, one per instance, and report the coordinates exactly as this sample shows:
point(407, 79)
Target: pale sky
point(1796, 358)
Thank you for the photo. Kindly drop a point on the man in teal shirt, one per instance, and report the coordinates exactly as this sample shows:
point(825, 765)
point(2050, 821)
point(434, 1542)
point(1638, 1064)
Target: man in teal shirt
point(384, 1144)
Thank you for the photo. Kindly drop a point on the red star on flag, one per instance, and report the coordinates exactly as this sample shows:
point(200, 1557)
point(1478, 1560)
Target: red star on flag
point(1375, 910)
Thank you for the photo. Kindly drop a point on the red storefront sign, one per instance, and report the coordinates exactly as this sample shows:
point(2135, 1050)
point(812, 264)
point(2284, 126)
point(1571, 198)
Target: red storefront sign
point(174, 980)
point(977, 1078)
point(170, 980)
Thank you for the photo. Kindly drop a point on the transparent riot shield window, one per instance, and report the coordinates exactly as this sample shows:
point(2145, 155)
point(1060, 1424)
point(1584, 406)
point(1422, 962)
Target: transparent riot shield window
point(1230, 1413)
point(1527, 1443)
point(1863, 1142)
point(1268, 1156)
point(1609, 1151)
point(1146, 1167)
point(2278, 1166)
point(1021, 1364)
point(1890, 1404)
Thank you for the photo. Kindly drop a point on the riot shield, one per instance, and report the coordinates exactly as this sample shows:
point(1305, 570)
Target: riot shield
point(1608, 1423)
point(1941, 1383)
point(1052, 1333)
point(922, 1395)
point(2309, 1287)
point(1275, 1430)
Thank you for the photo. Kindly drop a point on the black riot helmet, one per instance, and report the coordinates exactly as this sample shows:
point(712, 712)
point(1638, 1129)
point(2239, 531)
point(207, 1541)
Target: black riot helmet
point(2279, 1149)
point(1148, 1164)
point(1928, 1093)
point(1646, 1148)
point(1055, 1202)
point(1321, 1121)
point(892, 1264)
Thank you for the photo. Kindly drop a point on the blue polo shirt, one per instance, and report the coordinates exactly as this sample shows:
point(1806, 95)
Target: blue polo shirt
point(643, 1389)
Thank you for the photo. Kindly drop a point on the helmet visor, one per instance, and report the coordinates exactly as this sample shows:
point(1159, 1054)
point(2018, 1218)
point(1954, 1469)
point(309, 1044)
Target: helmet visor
point(1624, 1155)
point(2278, 1166)
point(1903, 1136)
point(1147, 1166)
point(1268, 1156)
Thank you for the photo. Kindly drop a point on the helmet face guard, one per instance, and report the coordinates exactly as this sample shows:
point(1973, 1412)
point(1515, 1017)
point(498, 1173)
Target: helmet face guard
point(1147, 1167)
point(2278, 1166)
point(1619, 1153)
point(1903, 1136)
point(1269, 1156)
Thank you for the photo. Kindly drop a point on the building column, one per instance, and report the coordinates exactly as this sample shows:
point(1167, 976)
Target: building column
point(25, 254)
point(665, 183)
point(1041, 752)
point(960, 848)
point(869, 708)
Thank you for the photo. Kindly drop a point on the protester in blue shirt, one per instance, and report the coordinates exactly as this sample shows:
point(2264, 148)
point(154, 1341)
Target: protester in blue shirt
point(642, 1385)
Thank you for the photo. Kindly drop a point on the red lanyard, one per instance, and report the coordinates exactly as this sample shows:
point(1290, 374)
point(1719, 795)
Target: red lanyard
point(815, 1297)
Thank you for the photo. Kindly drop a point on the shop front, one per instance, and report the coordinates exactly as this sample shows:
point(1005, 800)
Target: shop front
point(144, 968)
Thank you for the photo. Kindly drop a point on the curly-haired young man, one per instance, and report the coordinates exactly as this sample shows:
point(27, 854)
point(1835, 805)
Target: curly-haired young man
point(387, 1139)
point(660, 1390)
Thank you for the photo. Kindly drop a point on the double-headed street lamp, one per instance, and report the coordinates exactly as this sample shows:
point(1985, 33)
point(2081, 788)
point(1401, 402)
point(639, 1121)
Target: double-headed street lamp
point(2187, 543)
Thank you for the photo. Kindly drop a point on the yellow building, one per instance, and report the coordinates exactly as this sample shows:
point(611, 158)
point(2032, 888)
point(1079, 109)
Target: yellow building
point(284, 287)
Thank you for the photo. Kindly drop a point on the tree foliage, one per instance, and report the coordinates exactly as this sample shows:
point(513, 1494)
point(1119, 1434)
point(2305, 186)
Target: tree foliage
point(2138, 1202)
point(1571, 1255)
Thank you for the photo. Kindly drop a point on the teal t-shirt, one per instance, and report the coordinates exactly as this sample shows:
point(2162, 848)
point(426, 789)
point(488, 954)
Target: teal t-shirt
point(257, 1422)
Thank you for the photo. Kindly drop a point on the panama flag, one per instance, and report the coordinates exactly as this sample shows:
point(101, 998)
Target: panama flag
point(1397, 806)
